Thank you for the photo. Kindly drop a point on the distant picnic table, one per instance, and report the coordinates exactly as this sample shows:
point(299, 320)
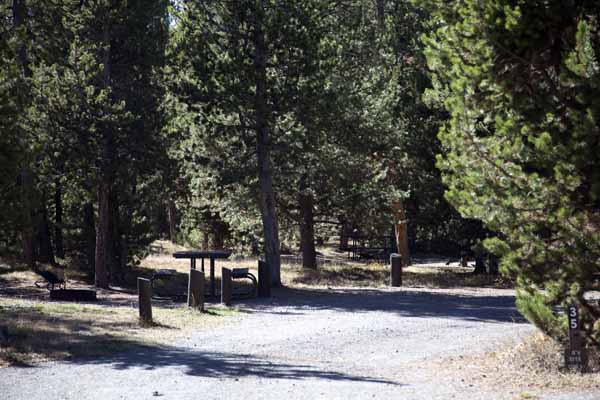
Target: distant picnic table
point(193, 255)
point(370, 247)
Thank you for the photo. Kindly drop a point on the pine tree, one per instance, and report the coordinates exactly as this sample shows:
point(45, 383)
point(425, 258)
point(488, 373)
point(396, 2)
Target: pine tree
point(521, 83)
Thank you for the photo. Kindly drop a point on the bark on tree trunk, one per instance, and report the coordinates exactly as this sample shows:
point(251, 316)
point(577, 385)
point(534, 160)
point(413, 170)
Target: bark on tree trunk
point(104, 237)
point(344, 232)
point(104, 230)
point(266, 196)
point(45, 252)
point(89, 232)
point(381, 12)
point(19, 13)
point(58, 220)
point(119, 245)
point(219, 231)
point(400, 227)
point(27, 229)
point(172, 214)
point(205, 240)
point(128, 224)
point(479, 266)
point(307, 228)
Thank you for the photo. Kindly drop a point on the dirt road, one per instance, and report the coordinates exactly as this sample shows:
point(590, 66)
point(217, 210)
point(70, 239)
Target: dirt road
point(302, 344)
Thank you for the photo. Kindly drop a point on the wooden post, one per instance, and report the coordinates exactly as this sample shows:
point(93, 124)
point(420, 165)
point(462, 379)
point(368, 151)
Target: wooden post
point(196, 289)
point(395, 270)
point(145, 299)
point(226, 286)
point(264, 279)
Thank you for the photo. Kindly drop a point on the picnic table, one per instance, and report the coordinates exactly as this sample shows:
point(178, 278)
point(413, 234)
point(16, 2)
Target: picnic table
point(193, 255)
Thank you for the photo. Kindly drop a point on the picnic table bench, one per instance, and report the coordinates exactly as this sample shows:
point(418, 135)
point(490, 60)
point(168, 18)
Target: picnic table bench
point(244, 273)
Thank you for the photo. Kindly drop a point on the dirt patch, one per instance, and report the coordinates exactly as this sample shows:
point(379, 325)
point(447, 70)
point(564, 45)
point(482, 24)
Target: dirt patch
point(526, 369)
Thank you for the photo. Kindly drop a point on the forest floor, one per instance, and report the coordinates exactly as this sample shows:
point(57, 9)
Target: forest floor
point(320, 337)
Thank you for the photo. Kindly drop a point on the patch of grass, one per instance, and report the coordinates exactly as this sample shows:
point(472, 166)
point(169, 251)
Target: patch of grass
point(34, 331)
point(378, 275)
point(527, 395)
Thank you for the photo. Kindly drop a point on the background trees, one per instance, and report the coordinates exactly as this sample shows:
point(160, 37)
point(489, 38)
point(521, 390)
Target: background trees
point(257, 125)
point(347, 130)
point(88, 123)
point(521, 86)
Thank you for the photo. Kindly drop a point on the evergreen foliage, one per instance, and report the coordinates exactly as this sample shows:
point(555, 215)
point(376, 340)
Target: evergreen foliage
point(521, 83)
point(255, 124)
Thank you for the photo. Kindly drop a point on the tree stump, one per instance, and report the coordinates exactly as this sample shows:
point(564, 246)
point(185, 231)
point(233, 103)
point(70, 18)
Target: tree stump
point(145, 299)
point(196, 289)
point(226, 286)
point(264, 279)
point(395, 270)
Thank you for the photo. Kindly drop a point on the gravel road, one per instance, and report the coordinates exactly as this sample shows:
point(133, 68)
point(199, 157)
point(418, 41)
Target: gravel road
point(301, 344)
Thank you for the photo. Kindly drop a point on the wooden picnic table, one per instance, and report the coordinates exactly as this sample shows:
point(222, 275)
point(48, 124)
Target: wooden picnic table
point(193, 255)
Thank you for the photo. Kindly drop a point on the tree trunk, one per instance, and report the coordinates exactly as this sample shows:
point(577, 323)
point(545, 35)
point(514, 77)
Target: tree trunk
point(105, 241)
point(58, 220)
point(266, 196)
point(344, 232)
point(119, 245)
point(172, 214)
point(19, 13)
point(307, 228)
point(400, 227)
point(27, 229)
point(381, 13)
point(205, 240)
point(89, 233)
point(45, 252)
point(479, 265)
point(128, 224)
point(104, 237)
point(219, 232)
point(492, 264)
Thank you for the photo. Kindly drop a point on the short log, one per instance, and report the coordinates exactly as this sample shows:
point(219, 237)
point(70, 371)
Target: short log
point(145, 299)
point(226, 286)
point(395, 270)
point(196, 289)
point(264, 279)
point(73, 294)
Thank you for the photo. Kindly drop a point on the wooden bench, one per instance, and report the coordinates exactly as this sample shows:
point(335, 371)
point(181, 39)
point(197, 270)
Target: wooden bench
point(162, 274)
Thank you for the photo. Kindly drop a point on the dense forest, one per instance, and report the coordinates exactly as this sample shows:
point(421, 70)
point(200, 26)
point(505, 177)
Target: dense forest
point(270, 126)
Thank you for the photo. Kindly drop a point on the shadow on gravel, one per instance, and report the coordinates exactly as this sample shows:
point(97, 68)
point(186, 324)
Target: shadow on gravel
point(404, 303)
point(220, 365)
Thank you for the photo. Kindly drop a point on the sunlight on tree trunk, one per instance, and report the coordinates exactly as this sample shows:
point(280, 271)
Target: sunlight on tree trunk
point(400, 228)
